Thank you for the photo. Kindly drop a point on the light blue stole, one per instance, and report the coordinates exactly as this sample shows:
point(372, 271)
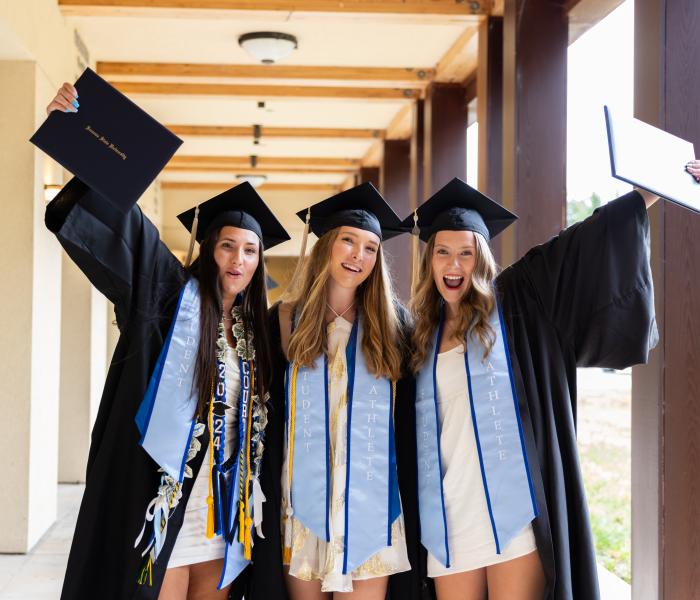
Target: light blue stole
point(371, 489)
point(499, 440)
point(166, 422)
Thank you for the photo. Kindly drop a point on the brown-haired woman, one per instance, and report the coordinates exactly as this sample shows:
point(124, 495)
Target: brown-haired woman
point(174, 518)
point(340, 332)
point(502, 508)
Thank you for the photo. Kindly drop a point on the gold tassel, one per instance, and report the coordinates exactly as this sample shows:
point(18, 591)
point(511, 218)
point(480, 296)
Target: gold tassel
point(248, 539)
point(193, 237)
point(210, 497)
point(293, 282)
point(287, 550)
point(415, 253)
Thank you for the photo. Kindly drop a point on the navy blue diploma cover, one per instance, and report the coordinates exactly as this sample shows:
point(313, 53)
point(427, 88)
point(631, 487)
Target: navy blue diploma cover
point(110, 144)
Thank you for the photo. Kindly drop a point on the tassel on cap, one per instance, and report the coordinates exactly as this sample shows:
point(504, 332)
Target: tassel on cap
point(193, 236)
point(302, 253)
point(415, 253)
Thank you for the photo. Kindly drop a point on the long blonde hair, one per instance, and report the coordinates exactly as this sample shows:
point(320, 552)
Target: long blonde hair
point(375, 301)
point(475, 308)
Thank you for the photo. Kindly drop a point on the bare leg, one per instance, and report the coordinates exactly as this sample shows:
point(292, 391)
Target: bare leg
point(175, 584)
point(204, 577)
point(470, 585)
point(298, 589)
point(365, 589)
point(518, 579)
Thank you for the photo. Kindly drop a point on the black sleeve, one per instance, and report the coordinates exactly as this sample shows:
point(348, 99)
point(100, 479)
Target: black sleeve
point(266, 579)
point(413, 584)
point(122, 255)
point(593, 283)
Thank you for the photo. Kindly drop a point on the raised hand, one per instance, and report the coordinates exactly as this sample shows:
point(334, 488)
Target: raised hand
point(66, 100)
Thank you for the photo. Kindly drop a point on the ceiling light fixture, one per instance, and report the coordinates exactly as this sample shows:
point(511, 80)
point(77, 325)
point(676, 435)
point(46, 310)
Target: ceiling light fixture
point(268, 47)
point(254, 180)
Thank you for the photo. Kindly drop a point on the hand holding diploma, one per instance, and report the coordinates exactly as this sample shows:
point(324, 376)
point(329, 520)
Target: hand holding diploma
point(66, 100)
point(652, 159)
point(693, 167)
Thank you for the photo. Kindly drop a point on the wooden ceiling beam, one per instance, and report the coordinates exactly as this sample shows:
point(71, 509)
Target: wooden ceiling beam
point(382, 74)
point(275, 132)
point(260, 170)
point(266, 91)
point(265, 161)
point(457, 8)
point(285, 187)
point(460, 61)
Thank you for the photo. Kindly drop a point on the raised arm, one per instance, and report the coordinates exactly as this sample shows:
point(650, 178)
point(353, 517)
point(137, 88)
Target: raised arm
point(593, 283)
point(122, 255)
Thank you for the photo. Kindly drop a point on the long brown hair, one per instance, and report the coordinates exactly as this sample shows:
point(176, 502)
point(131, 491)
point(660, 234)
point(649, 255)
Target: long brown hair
point(253, 313)
point(475, 307)
point(375, 298)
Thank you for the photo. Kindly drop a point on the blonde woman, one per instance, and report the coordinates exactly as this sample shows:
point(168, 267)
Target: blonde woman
point(502, 507)
point(340, 332)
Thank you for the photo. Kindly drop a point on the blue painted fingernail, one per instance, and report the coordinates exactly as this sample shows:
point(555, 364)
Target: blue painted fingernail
point(75, 103)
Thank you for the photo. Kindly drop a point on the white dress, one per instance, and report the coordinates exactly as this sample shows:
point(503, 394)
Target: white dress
point(311, 557)
point(192, 545)
point(470, 536)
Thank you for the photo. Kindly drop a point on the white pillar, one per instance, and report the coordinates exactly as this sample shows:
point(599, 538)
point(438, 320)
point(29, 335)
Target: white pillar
point(30, 313)
point(83, 352)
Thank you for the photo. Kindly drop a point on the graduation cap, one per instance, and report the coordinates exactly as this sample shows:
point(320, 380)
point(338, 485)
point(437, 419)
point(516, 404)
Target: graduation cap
point(455, 207)
point(459, 207)
point(361, 206)
point(240, 206)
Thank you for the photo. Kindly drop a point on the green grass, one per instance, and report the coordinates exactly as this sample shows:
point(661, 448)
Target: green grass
point(606, 474)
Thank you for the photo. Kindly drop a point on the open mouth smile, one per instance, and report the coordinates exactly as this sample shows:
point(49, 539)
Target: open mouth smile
point(351, 268)
point(453, 282)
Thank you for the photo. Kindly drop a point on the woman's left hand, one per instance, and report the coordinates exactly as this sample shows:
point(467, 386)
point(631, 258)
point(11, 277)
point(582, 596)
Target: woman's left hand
point(693, 167)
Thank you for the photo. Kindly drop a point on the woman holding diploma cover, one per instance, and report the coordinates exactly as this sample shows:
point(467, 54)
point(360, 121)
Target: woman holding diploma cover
point(177, 517)
point(502, 508)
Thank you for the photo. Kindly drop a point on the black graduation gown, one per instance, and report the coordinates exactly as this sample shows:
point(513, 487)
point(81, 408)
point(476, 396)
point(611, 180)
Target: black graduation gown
point(267, 553)
point(583, 299)
point(124, 258)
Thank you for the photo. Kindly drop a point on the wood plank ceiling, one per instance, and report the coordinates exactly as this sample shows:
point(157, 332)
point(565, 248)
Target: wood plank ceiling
point(309, 122)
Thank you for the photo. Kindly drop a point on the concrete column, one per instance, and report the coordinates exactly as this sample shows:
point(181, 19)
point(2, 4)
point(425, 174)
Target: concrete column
point(30, 316)
point(83, 366)
point(665, 407)
point(535, 45)
point(444, 136)
point(397, 177)
point(490, 112)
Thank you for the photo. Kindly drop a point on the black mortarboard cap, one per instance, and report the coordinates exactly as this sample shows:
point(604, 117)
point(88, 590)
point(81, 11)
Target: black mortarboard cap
point(459, 207)
point(240, 206)
point(361, 206)
point(110, 144)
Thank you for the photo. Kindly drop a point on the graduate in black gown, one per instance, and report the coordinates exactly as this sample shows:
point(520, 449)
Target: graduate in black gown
point(583, 299)
point(344, 283)
point(170, 316)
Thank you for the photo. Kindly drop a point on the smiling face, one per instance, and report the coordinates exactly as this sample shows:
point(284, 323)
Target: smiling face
point(237, 254)
point(353, 256)
point(453, 261)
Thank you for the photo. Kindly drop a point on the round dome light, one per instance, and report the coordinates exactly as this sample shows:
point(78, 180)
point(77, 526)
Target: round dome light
point(254, 180)
point(268, 47)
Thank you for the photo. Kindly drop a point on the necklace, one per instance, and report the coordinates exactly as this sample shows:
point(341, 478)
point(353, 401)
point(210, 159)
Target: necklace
point(342, 313)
